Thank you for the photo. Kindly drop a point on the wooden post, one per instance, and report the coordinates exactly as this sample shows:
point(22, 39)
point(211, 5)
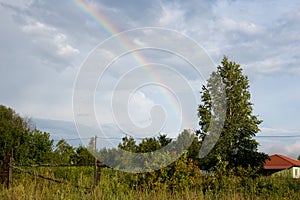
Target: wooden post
point(9, 167)
point(6, 173)
point(2, 170)
point(98, 172)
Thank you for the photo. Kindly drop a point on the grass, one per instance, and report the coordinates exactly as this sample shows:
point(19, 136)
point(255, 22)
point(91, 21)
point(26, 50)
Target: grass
point(117, 185)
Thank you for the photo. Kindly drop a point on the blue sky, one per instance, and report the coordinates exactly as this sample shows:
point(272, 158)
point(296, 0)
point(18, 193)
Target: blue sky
point(44, 43)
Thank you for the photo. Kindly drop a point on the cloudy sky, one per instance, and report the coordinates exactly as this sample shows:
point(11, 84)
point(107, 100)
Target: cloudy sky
point(44, 44)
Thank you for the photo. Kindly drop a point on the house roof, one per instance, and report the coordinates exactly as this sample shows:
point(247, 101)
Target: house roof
point(281, 162)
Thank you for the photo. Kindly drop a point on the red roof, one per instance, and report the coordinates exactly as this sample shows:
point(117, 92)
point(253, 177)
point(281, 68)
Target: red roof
point(281, 162)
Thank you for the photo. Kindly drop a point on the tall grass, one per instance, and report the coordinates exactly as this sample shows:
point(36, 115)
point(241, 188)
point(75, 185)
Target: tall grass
point(120, 185)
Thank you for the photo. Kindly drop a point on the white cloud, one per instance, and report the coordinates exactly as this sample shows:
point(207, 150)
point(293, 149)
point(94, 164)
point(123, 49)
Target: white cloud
point(279, 141)
point(241, 26)
point(292, 149)
point(172, 16)
point(139, 109)
point(38, 28)
point(50, 39)
point(18, 3)
point(138, 42)
point(289, 148)
point(279, 131)
point(63, 48)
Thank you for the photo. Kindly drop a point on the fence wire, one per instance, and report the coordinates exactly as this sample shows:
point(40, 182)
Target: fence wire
point(48, 178)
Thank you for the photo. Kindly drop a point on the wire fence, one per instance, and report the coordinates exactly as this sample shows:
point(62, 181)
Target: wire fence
point(6, 170)
point(7, 166)
point(49, 178)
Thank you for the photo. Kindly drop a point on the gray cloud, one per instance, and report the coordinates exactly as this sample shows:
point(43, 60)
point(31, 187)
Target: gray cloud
point(43, 44)
point(281, 141)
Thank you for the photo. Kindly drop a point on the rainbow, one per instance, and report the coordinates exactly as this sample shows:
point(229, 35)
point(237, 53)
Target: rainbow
point(110, 29)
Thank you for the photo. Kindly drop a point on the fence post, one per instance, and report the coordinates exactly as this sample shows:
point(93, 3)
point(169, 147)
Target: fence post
point(9, 167)
point(2, 170)
point(98, 172)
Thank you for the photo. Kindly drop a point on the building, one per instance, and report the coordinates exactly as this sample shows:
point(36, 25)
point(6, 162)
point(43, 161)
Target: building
point(280, 165)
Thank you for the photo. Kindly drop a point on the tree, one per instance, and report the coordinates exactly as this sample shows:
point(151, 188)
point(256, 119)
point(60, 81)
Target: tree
point(299, 157)
point(36, 149)
point(63, 152)
point(82, 156)
point(148, 145)
point(163, 140)
point(193, 150)
point(235, 145)
point(13, 129)
point(29, 144)
point(128, 144)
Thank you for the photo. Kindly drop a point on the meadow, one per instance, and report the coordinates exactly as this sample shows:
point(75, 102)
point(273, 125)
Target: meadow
point(78, 184)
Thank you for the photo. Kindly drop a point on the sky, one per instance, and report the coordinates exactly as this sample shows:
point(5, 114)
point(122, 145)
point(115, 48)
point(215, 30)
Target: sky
point(44, 45)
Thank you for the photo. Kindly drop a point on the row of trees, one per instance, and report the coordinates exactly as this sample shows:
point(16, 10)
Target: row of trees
point(32, 146)
point(235, 146)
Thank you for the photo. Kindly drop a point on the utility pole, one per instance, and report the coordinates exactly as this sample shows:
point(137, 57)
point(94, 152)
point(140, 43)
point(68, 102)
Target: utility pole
point(95, 163)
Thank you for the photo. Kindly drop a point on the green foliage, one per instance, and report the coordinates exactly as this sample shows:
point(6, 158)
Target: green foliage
point(13, 130)
point(63, 152)
point(193, 150)
point(82, 156)
point(163, 140)
point(235, 145)
point(179, 175)
point(32, 146)
point(29, 144)
point(165, 148)
point(148, 145)
point(128, 144)
point(36, 149)
point(188, 141)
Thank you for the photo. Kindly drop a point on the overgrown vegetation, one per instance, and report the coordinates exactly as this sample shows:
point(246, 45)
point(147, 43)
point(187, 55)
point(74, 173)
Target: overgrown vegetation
point(122, 185)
